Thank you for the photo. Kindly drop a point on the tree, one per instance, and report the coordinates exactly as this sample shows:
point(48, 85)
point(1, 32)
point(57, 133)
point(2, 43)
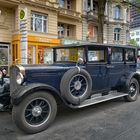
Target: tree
point(101, 9)
point(132, 42)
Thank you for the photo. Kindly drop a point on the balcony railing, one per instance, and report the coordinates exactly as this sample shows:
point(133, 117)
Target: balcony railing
point(67, 12)
point(92, 39)
point(91, 15)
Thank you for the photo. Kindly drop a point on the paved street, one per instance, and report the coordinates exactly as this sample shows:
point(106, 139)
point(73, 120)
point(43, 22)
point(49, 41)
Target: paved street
point(113, 120)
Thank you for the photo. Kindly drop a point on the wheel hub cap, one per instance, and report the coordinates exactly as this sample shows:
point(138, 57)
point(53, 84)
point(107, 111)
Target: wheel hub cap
point(77, 85)
point(132, 89)
point(36, 111)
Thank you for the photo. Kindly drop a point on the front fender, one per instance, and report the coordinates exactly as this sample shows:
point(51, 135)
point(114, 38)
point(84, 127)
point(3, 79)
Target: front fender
point(20, 94)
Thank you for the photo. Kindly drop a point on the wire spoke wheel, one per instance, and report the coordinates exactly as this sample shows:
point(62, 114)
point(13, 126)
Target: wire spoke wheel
point(133, 89)
point(78, 85)
point(37, 111)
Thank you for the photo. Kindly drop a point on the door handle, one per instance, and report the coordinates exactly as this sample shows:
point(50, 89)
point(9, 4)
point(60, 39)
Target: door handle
point(110, 66)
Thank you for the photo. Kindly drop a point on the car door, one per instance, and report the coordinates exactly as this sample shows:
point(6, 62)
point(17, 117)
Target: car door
point(116, 66)
point(96, 66)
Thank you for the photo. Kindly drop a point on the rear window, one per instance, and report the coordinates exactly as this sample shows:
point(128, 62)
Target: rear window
point(129, 55)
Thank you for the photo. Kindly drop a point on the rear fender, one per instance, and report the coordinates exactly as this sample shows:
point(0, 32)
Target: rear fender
point(132, 75)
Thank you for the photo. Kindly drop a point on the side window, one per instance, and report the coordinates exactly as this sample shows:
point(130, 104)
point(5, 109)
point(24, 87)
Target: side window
point(96, 55)
point(129, 55)
point(117, 55)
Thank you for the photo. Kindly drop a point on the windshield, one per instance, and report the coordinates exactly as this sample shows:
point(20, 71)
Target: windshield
point(69, 54)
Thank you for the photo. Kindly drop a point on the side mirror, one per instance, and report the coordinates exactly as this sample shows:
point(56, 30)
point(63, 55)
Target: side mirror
point(80, 61)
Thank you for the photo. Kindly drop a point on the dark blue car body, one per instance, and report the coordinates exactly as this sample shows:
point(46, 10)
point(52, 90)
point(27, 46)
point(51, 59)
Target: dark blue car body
point(80, 75)
point(105, 75)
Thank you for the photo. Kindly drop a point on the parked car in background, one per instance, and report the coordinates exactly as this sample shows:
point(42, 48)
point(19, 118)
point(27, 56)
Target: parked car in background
point(4, 90)
point(81, 75)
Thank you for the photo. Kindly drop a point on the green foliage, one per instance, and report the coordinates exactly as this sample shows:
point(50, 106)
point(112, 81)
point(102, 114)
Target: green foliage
point(133, 42)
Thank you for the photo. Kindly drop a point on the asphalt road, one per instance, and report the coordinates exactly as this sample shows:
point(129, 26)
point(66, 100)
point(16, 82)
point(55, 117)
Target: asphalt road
point(113, 120)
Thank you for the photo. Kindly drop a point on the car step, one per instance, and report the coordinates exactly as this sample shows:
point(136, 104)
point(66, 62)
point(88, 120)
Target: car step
point(99, 99)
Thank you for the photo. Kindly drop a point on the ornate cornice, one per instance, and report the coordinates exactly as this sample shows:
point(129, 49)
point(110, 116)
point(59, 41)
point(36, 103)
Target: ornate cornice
point(41, 3)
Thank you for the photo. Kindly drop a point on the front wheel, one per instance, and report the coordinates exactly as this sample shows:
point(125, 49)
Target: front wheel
point(133, 90)
point(35, 113)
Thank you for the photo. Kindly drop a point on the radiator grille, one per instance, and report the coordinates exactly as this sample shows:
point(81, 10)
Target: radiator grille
point(13, 73)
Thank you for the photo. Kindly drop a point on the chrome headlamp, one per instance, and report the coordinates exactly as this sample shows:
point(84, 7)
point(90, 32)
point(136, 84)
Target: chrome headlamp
point(4, 72)
point(19, 78)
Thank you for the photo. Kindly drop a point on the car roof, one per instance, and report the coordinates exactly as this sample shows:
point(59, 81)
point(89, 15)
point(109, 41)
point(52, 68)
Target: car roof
point(93, 44)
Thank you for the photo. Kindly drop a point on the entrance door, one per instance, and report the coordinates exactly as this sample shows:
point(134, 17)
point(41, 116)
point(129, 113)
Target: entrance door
point(4, 56)
point(43, 53)
point(32, 55)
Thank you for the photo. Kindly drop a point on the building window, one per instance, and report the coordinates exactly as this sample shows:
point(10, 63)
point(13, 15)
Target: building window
point(85, 5)
point(137, 39)
point(137, 33)
point(132, 34)
point(4, 56)
point(127, 15)
point(117, 34)
point(61, 30)
point(39, 22)
point(69, 4)
point(68, 30)
point(89, 5)
point(117, 12)
point(61, 3)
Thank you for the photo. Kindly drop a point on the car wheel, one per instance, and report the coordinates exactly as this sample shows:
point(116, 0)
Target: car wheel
point(76, 85)
point(133, 90)
point(35, 113)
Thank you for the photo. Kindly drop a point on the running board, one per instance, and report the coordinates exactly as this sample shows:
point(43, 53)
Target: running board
point(99, 99)
point(1, 107)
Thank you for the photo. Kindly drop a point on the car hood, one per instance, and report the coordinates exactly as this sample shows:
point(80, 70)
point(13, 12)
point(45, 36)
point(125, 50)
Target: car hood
point(49, 67)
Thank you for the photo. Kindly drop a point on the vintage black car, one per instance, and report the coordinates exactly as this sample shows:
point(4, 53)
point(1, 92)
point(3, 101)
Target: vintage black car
point(80, 75)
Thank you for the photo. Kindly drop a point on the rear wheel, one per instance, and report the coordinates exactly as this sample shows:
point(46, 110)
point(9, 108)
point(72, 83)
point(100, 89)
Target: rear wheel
point(35, 113)
point(133, 90)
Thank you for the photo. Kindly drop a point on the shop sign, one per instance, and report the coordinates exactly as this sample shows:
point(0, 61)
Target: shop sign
point(22, 14)
point(23, 36)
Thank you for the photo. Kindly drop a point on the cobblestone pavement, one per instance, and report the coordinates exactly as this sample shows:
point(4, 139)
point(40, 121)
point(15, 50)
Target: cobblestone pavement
point(113, 120)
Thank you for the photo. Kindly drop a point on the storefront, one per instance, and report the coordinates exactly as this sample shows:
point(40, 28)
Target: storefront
point(4, 56)
point(38, 49)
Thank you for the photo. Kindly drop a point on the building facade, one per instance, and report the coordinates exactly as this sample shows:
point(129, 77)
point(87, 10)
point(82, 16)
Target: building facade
point(69, 21)
point(28, 28)
point(135, 35)
point(135, 23)
point(116, 24)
